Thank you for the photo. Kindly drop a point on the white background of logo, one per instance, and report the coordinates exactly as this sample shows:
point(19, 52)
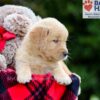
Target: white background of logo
point(92, 14)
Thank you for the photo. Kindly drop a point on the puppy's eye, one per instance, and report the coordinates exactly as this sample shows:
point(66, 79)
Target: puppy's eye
point(55, 41)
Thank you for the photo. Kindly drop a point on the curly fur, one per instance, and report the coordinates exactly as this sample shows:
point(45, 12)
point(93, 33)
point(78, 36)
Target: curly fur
point(17, 19)
point(2, 62)
point(18, 24)
point(11, 9)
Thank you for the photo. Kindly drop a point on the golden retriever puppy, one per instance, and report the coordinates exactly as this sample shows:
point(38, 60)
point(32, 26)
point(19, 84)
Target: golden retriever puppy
point(42, 51)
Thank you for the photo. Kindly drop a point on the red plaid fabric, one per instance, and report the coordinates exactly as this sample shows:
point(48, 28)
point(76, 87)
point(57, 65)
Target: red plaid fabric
point(42, 87)
point(5, 36)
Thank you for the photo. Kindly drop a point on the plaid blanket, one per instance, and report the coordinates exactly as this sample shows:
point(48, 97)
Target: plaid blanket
point(42, 87)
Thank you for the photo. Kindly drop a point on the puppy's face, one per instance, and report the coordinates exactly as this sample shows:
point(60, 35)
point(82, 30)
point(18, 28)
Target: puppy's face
point(50, 42)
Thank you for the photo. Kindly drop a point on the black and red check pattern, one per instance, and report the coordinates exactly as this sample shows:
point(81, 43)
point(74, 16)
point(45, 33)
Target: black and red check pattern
point(42, 87)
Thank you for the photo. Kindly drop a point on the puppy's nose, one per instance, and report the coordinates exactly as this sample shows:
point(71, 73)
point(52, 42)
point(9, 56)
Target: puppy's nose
point(65, 54)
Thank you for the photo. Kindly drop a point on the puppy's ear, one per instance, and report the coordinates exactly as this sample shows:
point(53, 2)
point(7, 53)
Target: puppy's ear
point(39, 32)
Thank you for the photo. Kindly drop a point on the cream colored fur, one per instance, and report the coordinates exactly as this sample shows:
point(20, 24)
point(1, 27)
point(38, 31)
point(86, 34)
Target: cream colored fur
point(42, 51)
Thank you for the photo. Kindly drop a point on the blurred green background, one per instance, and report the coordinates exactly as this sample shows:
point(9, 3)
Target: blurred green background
point(83, 42)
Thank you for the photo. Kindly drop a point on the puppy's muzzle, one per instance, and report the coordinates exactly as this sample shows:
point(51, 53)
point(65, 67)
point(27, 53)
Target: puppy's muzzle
point(65, 53)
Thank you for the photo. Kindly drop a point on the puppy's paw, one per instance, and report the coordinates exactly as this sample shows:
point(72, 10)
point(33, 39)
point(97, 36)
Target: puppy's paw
point(24, 77)
point(63, 79)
